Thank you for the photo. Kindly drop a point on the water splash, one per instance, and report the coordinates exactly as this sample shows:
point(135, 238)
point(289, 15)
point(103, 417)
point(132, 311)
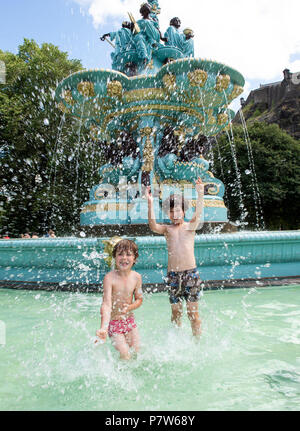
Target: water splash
point(260, 223)
point(238, 183)
point(55, 358)
point(54, 162)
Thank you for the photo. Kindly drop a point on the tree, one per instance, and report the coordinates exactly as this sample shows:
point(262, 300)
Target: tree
point(49, 161)
point(267, 165)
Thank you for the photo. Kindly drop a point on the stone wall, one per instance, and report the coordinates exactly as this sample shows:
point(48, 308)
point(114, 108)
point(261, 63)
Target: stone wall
point(72, 262)
point(277, 102)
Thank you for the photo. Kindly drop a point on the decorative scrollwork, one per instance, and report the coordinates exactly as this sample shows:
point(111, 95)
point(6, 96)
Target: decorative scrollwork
point(237, 90)
point(169, 81)
point(114, 89)
point(86, 88)
point(67, 95)
point(63, 108)
point(222, 82)
point(197, 78)
point(211, 119)
point(222, 119)
point(148, 153)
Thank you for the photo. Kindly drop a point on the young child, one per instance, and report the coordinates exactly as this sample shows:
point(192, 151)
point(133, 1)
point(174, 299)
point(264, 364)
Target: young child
point(120, 286)
point(183, 280)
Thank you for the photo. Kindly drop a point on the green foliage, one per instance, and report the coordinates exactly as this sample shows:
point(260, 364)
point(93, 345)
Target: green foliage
point(248, 108)
point(50, 162)
point(276, 157)
point(257, 112)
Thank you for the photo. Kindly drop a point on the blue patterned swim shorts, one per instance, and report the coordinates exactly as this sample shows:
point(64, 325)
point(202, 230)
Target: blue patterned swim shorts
point(184, 285)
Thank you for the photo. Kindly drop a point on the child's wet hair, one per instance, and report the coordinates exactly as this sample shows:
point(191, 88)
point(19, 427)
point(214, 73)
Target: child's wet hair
point(126, 245)
point(174, 201)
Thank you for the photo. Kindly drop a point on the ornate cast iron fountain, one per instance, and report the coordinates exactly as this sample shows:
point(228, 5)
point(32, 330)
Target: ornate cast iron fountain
point(152, 115)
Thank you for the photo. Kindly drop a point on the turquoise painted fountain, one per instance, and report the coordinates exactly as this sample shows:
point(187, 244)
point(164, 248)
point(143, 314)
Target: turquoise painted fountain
point(151, 115)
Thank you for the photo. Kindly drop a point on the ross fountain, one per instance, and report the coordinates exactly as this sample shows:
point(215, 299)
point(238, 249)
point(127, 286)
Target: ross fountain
point(152, 116)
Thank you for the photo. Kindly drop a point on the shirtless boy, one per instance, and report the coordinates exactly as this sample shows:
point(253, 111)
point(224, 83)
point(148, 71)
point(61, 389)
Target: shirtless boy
point(122, 295)
point(183, 278)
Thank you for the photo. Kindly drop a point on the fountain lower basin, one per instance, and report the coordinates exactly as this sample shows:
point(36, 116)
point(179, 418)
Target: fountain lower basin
point(72, 262)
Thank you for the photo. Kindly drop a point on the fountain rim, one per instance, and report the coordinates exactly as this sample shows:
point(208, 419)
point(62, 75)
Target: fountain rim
point(237, 76)
point(200, 238)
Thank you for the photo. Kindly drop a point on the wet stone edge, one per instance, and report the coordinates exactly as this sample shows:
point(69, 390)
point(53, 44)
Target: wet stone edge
point(150, 288)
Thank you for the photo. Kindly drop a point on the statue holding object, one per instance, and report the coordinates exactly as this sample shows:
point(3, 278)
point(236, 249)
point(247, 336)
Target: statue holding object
point(124, 42)
point(188, 43)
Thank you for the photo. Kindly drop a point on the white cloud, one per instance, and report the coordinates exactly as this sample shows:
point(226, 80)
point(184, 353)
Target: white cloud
point(256, 37)
point(103, 11)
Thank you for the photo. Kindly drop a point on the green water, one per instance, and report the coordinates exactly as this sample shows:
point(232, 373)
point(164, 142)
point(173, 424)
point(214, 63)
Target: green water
point(248, 357)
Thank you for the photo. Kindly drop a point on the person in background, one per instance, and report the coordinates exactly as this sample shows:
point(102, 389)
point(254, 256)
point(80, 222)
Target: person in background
point(50, 234)
point(25, 235)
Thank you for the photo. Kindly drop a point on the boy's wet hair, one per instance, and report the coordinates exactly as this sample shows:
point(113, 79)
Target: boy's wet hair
point(174, 201)
point(126, 245)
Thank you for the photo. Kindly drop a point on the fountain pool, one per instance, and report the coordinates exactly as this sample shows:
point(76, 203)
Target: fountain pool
point(248, 357)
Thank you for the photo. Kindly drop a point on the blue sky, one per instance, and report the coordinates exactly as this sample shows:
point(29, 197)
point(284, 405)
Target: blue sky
point(259, 38)
point(61, 22)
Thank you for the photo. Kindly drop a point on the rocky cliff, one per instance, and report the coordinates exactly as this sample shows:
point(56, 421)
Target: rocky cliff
point(278, 103)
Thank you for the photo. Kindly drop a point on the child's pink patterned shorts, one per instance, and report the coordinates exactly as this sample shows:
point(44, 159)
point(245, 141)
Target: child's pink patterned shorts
point(121, 326)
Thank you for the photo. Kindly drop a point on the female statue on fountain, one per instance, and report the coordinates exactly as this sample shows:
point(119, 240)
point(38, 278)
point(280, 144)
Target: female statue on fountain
point(148, 39)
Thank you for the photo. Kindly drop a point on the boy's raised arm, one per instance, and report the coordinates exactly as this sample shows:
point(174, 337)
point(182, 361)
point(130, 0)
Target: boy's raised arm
point(155, 227)
point(194, 223)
